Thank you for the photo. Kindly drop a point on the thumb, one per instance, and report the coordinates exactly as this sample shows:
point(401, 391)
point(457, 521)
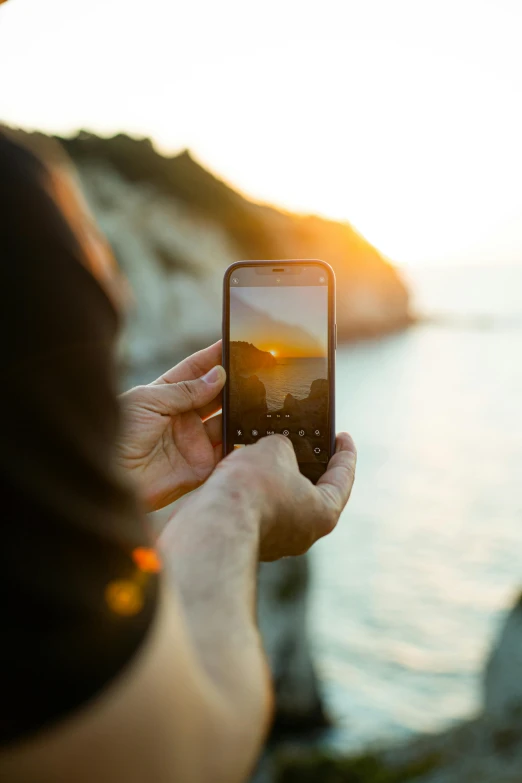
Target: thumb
point(173, 398)
point(336, 484)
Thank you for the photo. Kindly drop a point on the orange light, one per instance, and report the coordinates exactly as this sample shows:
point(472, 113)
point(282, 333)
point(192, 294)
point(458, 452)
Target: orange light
point(146, 559)
point(124, 597)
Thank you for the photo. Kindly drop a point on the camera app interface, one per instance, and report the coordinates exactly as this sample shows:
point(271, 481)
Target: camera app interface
point(278, 369)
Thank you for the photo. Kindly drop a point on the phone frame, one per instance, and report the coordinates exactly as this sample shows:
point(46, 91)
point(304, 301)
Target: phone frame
point(332, 339)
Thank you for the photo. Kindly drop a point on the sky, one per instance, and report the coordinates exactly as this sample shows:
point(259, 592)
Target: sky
point(288, 321)
point(401, 116)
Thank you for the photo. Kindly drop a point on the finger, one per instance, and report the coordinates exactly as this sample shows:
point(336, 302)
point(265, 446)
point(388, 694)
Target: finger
point(278, 444)
point(336, 484)
point(170, 399)
point(193, 366)
point(214, 429)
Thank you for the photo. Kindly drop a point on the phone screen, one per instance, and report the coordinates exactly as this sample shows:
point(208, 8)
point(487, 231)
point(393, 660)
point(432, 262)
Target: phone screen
point(279, 371)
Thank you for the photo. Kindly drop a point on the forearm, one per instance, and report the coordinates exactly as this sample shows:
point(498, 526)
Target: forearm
point(210, 550)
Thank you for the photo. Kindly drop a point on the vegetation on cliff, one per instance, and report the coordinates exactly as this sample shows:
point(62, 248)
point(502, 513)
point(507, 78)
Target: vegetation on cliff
point(372, 298)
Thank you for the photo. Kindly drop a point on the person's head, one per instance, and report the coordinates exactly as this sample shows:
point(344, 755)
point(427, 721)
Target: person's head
point(62, 183)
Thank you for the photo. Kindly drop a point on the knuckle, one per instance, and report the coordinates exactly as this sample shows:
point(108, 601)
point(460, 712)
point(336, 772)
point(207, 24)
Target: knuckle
point(329, 521)
point(329, 514)
point(185, 390)
point(135, 396)
point(350, 472)
point(136, 391)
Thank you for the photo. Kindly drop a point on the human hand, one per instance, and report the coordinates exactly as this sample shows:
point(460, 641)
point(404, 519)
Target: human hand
point(169, 445)
point(293, 512)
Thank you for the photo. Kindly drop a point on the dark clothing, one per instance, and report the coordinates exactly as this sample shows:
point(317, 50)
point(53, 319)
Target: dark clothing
point(69, 524)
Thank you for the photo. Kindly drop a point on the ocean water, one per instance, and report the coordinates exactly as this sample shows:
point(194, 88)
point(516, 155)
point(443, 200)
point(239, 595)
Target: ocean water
point(411, 589)
point(291, 376)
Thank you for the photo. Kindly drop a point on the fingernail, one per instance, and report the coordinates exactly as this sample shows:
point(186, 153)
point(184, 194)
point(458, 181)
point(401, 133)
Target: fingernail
point(214, 375)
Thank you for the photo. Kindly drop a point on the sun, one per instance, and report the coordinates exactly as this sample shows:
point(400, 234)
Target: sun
point(274, 353)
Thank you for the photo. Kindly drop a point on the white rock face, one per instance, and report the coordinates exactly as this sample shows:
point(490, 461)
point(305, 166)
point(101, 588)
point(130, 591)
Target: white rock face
point(503, 679)
point(173, 260)
point(174, 257)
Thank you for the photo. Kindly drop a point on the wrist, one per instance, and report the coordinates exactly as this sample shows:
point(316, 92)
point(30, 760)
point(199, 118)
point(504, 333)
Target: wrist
point(245, 489)
point(220, 513)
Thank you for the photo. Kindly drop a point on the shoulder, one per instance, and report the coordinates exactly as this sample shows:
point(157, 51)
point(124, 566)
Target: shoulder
point(19, 166)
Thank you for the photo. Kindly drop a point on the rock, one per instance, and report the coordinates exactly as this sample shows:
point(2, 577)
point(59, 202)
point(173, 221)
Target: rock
point(317, 396)
point(319, 389)
point(247, 400)
point(486, 749)
point(173, 260)
point(313, 408)
point(247, 393)
point(246, 358)
point(503, 676)
point(282, 616)
point(321, 767)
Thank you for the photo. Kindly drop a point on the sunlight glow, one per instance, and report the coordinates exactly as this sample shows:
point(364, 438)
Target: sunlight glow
point(274, 353)
point(403, 118)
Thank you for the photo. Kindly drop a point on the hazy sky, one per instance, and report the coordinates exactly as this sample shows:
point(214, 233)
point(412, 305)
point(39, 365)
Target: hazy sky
point(402, 116)
point(287, 321)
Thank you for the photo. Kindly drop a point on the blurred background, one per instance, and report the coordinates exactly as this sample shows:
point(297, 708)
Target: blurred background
point(384, 137)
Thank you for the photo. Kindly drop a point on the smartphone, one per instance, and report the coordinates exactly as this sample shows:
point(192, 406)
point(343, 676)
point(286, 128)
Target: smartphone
point(279, 339)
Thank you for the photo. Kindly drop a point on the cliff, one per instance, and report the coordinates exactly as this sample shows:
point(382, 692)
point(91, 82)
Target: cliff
point(175, 227)
point(246, 358)
point(247, 401)
point(311, 409)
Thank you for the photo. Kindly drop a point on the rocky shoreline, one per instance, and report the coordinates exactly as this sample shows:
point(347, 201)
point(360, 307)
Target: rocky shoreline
point(484, 749)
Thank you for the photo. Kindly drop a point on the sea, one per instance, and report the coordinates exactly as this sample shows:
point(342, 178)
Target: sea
point(410, 591)
point(291, 376)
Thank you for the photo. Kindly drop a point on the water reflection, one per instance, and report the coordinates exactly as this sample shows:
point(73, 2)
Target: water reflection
point(410, 591)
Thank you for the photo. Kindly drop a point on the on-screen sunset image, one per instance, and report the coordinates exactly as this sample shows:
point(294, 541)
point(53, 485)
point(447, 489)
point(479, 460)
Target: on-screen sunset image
point(279, 366)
